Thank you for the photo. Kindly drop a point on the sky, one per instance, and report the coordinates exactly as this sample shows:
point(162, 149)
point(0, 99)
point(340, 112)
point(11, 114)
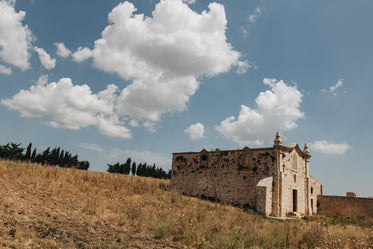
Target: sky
point(108, 80)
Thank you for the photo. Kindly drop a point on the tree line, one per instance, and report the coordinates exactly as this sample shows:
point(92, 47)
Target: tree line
point(64, 159)
point(54, 157)
point(141, 169)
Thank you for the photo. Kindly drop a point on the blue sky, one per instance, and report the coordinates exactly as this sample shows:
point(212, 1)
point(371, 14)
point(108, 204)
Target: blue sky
point(143, 79)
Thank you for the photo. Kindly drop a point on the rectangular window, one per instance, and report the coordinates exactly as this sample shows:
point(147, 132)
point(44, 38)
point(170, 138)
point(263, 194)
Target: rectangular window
point(295, 200)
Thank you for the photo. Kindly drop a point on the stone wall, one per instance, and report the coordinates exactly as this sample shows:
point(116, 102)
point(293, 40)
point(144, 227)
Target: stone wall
point(315, 190)
point(353, 207)
point(264, 195)
point(227, 175)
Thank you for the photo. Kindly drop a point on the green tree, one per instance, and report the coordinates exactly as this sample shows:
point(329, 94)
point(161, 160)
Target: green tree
point(33, 155)
point(4, 151)
point(54, 157)
point(66, 159)
point(27, 156)
point(133, 169)
point(74, 161)
point(84, 165)
point(15, 152)
point(127, 166)
point(139, 170)
point(168, 176)
point(113, 168)
point(61, 159)
point(45, 156)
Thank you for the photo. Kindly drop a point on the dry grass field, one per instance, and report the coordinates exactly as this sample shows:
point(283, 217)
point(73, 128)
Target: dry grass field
point(48, 207)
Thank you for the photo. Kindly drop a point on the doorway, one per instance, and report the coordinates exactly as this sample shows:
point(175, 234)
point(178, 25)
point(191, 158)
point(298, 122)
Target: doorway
point(295, 200)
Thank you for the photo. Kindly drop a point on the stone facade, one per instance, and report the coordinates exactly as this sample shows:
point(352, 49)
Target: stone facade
point(273, 181)
point(357, 208)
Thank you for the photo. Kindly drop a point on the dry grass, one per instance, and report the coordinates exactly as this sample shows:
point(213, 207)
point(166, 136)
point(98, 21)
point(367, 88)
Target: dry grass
point(47, 207)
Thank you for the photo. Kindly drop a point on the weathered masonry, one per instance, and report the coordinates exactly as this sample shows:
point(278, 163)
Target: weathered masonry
point(274, 181)
point(358, 208)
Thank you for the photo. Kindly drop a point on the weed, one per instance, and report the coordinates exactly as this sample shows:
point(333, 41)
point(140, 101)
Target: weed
point(165, 228)
point(313, 234)
point(12, 232)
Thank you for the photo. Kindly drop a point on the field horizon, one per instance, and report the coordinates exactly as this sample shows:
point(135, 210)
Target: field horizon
point(51, 207)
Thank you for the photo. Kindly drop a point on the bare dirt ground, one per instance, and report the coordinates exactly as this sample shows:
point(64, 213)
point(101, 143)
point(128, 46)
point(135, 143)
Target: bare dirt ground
point(30, 218)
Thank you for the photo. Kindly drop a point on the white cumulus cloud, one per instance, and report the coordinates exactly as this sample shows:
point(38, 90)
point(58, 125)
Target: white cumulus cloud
point(70, 106)
point(162, 55)
point(113, 128)
point(277, 109)
point(45, 59)
point(325, 147)
point(196, 131)
point(15, 38)
point(145, 99)
point(82, 54)
point(189, 1)
point(5, 70)
point(62, 50)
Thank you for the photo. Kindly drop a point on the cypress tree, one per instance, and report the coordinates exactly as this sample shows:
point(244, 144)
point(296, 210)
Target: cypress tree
point(61, 161)
point(32, 159)
point(153, 171)
point(144, 169)
point(15, 152)
point(54, 156)
point(74, 161)
point(127, 166)
point(133, 169)
point(121, 168)
point(84, 165)
point(66, 159)
point(138, 170)
point(45, 156)
point(27, 156)
point(168, 175)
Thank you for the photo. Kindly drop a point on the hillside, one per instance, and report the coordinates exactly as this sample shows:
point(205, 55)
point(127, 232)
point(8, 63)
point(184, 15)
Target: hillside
point(48, 207)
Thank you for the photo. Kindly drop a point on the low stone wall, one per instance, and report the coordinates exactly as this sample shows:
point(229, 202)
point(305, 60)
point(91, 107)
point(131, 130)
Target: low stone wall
point(357, 208)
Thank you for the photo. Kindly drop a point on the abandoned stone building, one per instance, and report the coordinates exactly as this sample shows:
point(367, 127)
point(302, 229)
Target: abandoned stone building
point(274, 181)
